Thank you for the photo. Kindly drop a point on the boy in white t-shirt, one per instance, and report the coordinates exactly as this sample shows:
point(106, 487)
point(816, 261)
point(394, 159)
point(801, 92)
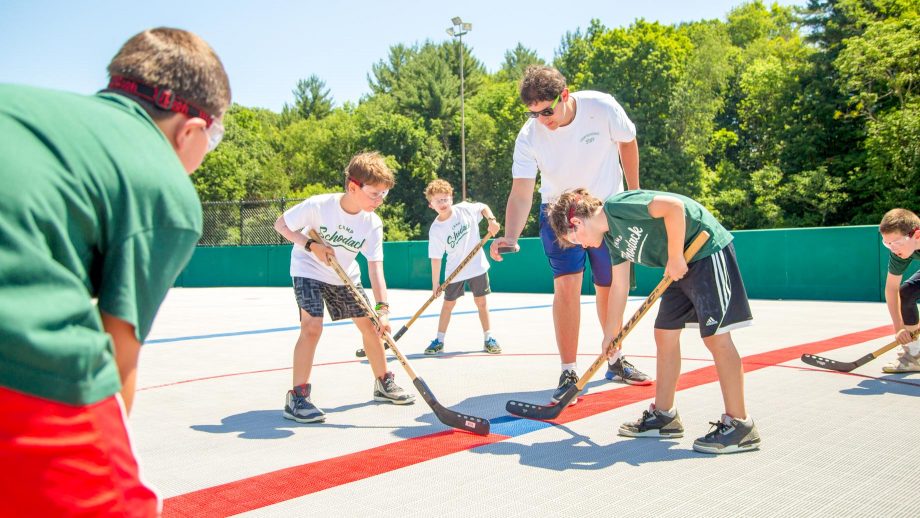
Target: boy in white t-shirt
point(348, 224)
point(456, 232)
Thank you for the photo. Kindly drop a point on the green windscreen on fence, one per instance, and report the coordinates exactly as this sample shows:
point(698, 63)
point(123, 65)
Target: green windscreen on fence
point(834, 263)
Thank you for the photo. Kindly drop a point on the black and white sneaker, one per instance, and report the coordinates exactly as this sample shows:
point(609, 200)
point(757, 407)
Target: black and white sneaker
point(654, 423)
point(298, 407)
point(566, 380)
point(729, 435)
point(386, 390)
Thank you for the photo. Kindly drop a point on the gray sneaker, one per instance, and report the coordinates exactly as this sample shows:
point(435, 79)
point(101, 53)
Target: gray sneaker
point(386, 390)
point(728, 435)
point(906, 362)
point(653, 423)
point(622, 370)
point(298, 407)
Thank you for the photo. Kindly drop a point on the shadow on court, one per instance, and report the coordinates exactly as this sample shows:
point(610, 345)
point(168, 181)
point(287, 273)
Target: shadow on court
point(898, 384)
point(582, 453)
point(269, 424)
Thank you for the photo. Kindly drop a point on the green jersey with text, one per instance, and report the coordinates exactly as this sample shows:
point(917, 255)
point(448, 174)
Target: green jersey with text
point(635, 236)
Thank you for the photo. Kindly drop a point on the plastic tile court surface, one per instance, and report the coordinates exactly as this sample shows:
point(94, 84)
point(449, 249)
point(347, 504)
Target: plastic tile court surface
point(208, 429)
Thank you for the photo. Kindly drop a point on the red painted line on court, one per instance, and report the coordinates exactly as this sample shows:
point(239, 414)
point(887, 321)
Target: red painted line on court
point(271, 488)
point(286, 484)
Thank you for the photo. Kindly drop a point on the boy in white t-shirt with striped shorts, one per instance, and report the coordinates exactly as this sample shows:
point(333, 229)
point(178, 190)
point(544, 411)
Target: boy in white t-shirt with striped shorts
point(456, 232)
point(349, 226)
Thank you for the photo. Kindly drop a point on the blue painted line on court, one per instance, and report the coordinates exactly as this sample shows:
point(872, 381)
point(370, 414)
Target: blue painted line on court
point(334, 324)
point(516, 426)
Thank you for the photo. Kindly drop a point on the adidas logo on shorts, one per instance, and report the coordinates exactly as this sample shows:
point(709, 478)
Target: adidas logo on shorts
point(711, 322)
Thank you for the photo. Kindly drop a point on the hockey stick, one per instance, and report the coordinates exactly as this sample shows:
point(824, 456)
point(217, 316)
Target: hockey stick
point(449, 417)
point(547, 412)
point(360, 352)
point(834, 365)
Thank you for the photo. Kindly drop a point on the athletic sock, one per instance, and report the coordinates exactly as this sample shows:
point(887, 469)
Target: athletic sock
point(728, 419)
point(570, 366)
point(486, 335)
point(616, 356)
point(667, 413)
point(441, 336)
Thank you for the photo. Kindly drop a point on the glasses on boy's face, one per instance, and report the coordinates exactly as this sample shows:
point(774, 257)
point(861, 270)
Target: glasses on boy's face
point(215, 132)
point(900, 241)
point(546, 112)
point(442, 201)
point(370, 191)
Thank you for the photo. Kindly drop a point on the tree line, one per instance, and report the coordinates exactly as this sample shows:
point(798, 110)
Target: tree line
point(773, 117)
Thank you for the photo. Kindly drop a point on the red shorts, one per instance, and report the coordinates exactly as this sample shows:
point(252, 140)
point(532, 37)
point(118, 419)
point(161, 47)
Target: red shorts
point(62, 460)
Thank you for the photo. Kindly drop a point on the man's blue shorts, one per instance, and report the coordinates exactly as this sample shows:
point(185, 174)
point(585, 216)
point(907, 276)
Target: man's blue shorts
point(564, 261)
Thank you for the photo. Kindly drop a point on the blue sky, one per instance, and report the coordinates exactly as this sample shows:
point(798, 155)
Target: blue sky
point(267, 46)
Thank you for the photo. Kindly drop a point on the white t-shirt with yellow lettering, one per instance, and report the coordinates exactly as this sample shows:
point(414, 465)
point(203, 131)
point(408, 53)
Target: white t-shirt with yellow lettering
point(348, 234)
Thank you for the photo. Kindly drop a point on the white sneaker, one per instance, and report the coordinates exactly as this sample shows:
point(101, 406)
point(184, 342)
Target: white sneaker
point(906, 362)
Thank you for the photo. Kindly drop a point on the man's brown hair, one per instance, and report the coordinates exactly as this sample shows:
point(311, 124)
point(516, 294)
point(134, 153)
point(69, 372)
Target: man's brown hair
point(899, 220)
point(574, 203)
point(541, 83)
point(178, 60)
point(370, 168)
point(438, 186)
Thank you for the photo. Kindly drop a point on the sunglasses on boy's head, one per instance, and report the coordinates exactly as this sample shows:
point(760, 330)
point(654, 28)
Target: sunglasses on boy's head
point(374, 194)
point(546, 112)
point(164, 99)
point(900, 241)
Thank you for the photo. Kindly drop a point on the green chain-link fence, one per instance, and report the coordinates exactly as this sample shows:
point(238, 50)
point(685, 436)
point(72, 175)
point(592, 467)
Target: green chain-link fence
point(243, 222)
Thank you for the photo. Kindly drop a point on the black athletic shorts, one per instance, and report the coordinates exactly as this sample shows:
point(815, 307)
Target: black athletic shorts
point(479, 285)
point(710, 296)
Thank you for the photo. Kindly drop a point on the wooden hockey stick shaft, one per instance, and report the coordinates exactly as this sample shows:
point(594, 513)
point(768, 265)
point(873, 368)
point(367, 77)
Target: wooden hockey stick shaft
point(443, 286)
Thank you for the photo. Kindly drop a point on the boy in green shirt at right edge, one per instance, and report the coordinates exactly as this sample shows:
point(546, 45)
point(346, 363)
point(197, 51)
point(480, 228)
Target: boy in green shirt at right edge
point(653, 228)
point(900, 230)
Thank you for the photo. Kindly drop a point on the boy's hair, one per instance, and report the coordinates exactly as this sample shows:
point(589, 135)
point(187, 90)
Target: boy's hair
point(369, 168)
point(573, 203)
point(438, 187)
point(899, 220)
point(541, 83)
point(178, 60)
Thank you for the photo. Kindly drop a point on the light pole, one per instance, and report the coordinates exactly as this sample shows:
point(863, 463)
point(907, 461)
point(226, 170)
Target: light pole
point(459, 29)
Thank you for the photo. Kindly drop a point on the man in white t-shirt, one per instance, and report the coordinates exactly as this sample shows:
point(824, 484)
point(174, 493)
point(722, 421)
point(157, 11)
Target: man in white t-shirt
point(456, 232)
point(574, 140)
point(348, 225)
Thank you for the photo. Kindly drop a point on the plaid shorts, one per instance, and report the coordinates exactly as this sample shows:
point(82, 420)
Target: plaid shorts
point(339, 300)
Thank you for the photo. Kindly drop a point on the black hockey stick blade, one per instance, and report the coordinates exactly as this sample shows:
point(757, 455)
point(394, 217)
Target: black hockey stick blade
point(542, 412)
point(468, 423)
point(399, 333)
point(834, 365)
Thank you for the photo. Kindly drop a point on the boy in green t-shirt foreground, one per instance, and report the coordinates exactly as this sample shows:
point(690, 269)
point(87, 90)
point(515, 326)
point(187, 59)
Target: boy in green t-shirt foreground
point(653, 228)
point(98, 216)
point(900, 230)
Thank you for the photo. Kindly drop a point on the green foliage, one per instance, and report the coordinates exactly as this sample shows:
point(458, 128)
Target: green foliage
point(516, 61)
point(311, 99)
point(774, 116)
